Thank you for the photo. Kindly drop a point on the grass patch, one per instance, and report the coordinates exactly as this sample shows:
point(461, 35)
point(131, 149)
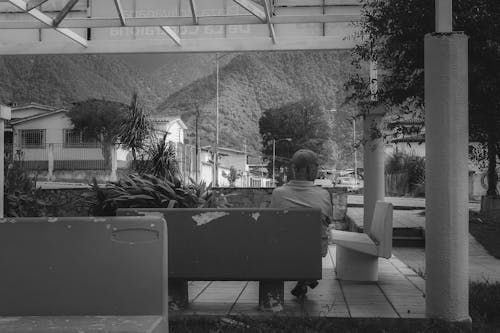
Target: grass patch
point(486, 230)
point(284, 324)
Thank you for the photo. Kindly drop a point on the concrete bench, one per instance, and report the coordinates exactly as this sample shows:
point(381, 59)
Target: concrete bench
point(240, 244)
point(357, 253)
point(83, 274)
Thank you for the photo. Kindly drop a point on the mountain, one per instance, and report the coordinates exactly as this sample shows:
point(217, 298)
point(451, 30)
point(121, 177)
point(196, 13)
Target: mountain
point(61, 80)
point(175, 84)
point(253, 82)
point(171, 72)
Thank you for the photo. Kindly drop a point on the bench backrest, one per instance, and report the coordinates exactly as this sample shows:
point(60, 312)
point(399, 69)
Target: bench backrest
point(83, 266)
point(241, 243)
point(381, 228)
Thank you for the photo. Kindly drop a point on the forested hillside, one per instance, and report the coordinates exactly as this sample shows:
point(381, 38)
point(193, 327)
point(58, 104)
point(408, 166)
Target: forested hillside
point(179, 84)
point(61, 80)
point(253, 82)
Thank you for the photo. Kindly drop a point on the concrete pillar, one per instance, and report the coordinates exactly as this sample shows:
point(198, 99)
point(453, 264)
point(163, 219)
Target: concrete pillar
point(114, 165)
point(4, 115)
point(446, 183)
point(373, 164)
point(50, 158)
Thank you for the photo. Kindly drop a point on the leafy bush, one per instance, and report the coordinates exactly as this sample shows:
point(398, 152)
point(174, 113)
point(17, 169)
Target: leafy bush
point(413, 165)
point(149, 191)
point(232, 176)
point(484, 298)
point(21, 197)
point(158, 159)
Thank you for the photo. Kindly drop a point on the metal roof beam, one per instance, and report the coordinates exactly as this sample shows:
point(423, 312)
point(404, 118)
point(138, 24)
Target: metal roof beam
point(188, 45)
point(34, 3)
point(172, 34)
point(48, 21)
point(253, 8)
point(119, 9)
point(113, 22)
point(62, 14)
point(267, 9)
point(192, 4)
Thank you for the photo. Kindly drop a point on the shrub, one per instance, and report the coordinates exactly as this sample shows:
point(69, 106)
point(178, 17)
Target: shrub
point(413, 165)
point(158, 159)
point(21, 197)
point(484, 300)
point(149, 191)
point(232, 176)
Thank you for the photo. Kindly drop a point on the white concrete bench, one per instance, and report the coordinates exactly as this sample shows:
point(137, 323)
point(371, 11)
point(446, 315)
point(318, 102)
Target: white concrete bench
point(357, 253)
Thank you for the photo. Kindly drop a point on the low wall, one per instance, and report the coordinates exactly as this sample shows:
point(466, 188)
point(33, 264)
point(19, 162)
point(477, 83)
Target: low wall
point(70, 202)
point(261, 197)
point(80, 176)
point(65, 202)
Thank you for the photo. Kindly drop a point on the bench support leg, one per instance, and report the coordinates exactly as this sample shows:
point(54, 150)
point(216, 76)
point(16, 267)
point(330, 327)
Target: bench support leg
point(271, 295)
point(177, 294)
point(355, 266)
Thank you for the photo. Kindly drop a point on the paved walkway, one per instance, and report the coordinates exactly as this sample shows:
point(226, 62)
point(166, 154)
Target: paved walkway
point(482, 266)
point(402, 202)
point(397, 294)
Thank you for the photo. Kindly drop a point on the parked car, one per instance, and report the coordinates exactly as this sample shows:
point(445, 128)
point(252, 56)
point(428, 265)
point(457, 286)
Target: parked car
point(350, 183)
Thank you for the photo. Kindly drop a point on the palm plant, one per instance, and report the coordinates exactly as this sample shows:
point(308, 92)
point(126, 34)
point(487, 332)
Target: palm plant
point(159, 159)
point(135, 131)
point(150, 191)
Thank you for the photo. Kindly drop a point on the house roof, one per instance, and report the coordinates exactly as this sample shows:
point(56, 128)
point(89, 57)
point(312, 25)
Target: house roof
point(36, 116)
point(169, 120)
point(34, 105)
point(231, 150)
point(419, 138)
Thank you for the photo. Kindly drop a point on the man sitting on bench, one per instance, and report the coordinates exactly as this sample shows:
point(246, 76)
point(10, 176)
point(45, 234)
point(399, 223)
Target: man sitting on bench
point(301, 192)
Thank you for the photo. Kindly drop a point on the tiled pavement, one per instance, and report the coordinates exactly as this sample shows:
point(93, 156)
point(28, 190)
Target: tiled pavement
point(401, 218)
point(482, 266)
point(397, 294)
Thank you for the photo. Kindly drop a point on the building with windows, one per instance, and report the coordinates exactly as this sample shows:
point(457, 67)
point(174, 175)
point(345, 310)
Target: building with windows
point(43, 138)
point(37, 133)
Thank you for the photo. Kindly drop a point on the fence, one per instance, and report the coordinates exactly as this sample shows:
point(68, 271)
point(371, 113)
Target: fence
point(58, 156)
point(61, 157)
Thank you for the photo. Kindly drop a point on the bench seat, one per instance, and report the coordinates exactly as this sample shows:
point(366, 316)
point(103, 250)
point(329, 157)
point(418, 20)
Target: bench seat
point(355, 240)
point(268, 245)
point(357, 253)
point(83, 324)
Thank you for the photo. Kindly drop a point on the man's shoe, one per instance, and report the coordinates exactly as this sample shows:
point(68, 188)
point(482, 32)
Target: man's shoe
point(313, 284)
point(299, 290)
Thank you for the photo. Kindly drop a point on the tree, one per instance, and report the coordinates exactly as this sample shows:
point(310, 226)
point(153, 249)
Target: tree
point(393, 36)
point(136, 129)
point(232, 176)
point(304, 122)
point(100, 119)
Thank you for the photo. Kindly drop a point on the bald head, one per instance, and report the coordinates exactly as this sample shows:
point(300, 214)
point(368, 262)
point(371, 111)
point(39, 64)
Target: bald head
point(305, 164)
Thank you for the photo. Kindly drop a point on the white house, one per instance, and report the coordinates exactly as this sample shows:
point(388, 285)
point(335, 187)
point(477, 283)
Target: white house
point(173, 127)
point(227, 158)
point(38, 131)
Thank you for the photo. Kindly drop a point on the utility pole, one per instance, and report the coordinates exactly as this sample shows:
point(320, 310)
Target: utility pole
point(197, 169)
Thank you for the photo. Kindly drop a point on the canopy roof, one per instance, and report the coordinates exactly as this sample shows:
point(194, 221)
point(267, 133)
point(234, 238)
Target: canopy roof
point(159, 26)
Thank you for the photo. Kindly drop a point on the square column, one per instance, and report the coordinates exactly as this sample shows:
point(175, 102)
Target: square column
point(373, 165)
point(446, 176)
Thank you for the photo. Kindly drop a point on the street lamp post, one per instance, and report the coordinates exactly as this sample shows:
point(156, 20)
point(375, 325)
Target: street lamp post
point(216, 146)
point(274, 155)
point(355, 151)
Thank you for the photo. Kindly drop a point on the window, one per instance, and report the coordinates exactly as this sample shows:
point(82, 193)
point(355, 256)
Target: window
point(74, 139)
point(33, 138)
